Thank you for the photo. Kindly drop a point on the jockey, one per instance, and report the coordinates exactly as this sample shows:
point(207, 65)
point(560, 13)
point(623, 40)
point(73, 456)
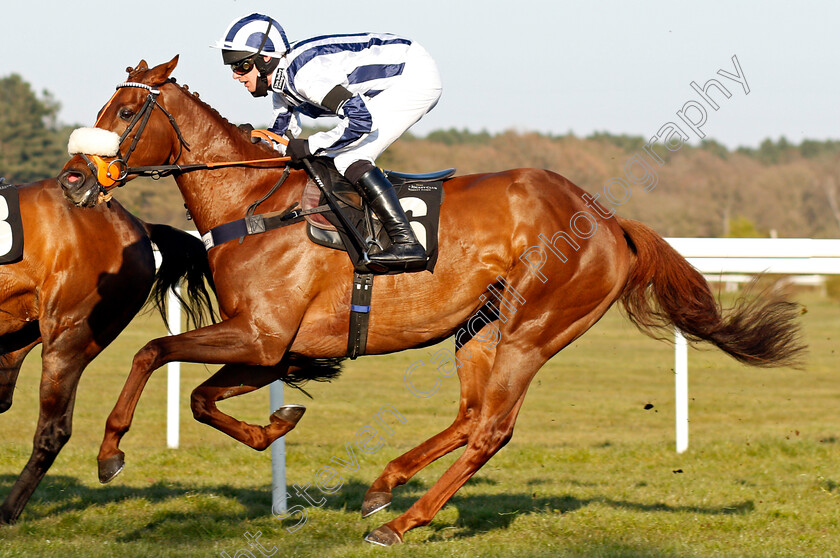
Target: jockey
point(378, 85)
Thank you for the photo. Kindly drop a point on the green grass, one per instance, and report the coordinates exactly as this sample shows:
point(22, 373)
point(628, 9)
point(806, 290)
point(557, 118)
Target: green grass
point(589, 472)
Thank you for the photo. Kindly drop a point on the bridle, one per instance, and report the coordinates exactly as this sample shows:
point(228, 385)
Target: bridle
point(104, 170)
point(114, 173)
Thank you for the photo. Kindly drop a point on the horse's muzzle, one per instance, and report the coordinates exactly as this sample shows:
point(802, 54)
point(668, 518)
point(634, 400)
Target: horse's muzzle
point(80, 186)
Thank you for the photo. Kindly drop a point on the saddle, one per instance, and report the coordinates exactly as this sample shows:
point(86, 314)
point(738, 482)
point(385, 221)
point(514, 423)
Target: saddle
point(420, 196)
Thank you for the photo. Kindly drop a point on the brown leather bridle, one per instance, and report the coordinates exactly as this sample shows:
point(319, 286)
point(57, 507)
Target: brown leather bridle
point(115, 172)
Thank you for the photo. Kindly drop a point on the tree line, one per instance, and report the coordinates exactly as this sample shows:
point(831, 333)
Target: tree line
point(705, 190)
point(32, 143)
point(778, 188)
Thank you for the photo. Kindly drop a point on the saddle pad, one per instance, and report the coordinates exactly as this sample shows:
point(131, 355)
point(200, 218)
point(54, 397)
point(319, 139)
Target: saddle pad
point(419, 195)
point(311, 199)
point(11, 227)
point(421, 203)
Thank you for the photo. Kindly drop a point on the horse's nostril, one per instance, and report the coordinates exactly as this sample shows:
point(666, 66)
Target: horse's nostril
point(70, 178)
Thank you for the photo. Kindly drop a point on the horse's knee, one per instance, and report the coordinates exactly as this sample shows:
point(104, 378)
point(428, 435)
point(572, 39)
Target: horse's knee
point(504, 439)
point(147, 357)
point(53, 437)
point(201, 404)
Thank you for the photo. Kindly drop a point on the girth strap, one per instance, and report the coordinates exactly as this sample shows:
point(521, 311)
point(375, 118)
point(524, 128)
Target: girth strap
point(359, 314)
point(256, 224)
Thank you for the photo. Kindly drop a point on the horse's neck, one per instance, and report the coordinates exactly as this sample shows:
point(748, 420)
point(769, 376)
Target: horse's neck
point(215, 197)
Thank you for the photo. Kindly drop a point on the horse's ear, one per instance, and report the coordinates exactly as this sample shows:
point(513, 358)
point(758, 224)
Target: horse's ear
point(161, 73)
point(142, 66)
point(171, 64)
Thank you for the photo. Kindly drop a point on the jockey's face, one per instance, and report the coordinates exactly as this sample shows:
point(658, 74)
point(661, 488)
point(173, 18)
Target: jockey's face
point(249, 80)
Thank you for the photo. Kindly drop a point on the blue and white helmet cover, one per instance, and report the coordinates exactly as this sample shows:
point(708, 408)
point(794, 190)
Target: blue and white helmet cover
point(246, 34)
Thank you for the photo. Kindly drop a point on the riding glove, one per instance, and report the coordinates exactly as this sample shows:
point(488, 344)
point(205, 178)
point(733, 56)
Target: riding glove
point(298, 149)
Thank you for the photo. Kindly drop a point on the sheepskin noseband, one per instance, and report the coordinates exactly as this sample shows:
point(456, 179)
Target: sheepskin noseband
point(94, 141)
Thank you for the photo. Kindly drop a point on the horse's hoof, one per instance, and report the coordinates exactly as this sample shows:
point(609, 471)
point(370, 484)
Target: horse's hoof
point(111, 467)
point(289, 413)
point(374, 502)
point(383, 536)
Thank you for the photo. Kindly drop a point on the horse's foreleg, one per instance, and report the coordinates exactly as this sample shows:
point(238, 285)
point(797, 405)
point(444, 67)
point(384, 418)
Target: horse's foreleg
point(10, 364)
point(233, 380)
point(59, 379)
point(472, 372)
point(230, 341)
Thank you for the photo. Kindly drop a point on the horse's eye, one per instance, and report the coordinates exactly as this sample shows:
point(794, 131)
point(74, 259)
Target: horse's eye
point(126, 113)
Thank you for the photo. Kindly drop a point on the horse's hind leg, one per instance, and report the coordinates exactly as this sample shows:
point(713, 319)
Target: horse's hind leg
point(232, 380)
point(537, 332)
point(502, 392)
point(472, 372)
point(10, 364)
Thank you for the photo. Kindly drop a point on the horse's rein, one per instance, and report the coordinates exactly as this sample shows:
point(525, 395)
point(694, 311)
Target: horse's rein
point(102, 168)
point(266, 135)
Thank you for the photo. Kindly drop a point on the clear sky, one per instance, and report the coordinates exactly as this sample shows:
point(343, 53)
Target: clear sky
point(551, 66)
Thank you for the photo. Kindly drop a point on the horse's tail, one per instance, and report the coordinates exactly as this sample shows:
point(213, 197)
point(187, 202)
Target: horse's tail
point(183, 257)
point(664, 290)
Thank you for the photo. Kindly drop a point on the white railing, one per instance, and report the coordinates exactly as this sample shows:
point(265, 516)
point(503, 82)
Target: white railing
point(719, 258)
point(795, 256)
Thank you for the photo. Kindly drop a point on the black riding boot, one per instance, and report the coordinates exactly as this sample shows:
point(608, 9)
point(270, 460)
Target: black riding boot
point(404, 252)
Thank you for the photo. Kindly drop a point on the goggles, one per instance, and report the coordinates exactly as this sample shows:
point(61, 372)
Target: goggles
point(244, 66)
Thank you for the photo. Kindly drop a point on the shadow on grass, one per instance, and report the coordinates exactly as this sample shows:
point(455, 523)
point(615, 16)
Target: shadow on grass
point(477, 513)
point(60, 494)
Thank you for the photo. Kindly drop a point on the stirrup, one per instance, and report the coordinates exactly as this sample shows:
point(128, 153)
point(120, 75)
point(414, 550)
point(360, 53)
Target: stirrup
point(397, 262)
point(371, 242)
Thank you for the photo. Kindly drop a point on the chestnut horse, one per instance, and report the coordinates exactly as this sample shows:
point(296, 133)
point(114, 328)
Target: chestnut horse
point(510, 291)
point(83, 276)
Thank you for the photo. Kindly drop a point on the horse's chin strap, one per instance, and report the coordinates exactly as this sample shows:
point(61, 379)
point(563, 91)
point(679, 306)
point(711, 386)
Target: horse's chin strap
point(104, 181)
